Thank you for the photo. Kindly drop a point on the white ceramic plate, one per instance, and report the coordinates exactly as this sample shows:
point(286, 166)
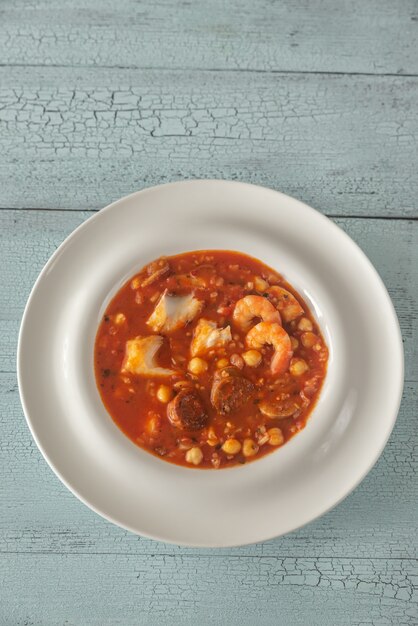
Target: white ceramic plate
point(345, 434)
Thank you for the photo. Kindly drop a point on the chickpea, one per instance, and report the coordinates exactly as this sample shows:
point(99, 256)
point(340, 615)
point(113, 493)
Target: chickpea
point(197, 366)
point(260, 284)
point(305, 324)
point(294, 342)
point(252, 358)
point(120, 319)
point(164, 394)
point(231, 446)
point(298, 367)
point(237, 361)
point(222, 363)
point(194, 456)
point(309, 339)
point(249, 448)
point(135, 283)
point(275, 436)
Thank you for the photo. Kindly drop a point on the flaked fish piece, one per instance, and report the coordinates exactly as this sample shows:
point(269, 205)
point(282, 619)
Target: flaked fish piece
point(174, 312)
point(207, 336)
point(140, 357)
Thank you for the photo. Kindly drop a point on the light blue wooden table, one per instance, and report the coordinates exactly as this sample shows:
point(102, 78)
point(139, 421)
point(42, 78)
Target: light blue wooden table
point(316, 98)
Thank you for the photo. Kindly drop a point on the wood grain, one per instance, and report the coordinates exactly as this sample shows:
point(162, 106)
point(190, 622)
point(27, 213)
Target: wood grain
point(28, 238)
point(83, 137)
point(376, 521)
point(376, 36)
point(164, 590)
point(366, 524)
point(315, 98)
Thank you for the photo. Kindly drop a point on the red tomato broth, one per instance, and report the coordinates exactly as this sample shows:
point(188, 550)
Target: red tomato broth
point(132, 400)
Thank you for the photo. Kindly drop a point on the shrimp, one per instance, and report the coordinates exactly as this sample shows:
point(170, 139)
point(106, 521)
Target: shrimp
point(286, 302)
point(251, 307)
point(274, 335)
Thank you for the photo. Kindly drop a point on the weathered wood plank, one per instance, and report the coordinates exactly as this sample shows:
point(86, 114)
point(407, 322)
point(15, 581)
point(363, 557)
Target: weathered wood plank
point(315, 35)
point(28, 238)
point(378, 520)
point(108, 590)
point(79, 137)
point(82, 137)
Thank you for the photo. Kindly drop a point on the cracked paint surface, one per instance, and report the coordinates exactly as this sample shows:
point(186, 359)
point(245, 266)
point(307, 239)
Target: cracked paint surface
point(315, 35)
point(110, 132)
point(99, 99)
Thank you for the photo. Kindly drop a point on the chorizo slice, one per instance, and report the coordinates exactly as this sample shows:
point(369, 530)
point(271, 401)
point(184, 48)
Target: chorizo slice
point(230, 390)
point(186, 411)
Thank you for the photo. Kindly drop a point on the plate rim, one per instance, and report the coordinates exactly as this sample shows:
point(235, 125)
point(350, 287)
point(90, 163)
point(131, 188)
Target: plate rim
point(154, 189)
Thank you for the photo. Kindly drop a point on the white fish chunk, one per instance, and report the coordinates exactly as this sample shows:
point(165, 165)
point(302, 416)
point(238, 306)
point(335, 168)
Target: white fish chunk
point(207, 336)
point(174, 312)
point(140, 357)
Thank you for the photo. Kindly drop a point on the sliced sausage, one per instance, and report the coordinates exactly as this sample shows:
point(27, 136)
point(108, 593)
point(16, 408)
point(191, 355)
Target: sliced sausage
point(186, 411)
point(230, 390)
